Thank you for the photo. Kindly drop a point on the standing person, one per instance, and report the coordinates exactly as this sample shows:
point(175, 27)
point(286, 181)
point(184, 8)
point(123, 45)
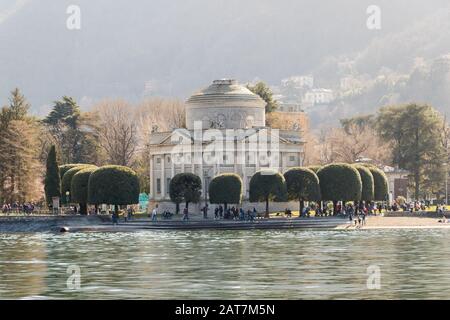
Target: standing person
point(185, 214)
point(363, 218)
point(205, 212)
point(250, 215)
point(125, 215)
point(115, 217)
point(216, 213)
point(154, 213)
point(255, 212)
point(130, 213)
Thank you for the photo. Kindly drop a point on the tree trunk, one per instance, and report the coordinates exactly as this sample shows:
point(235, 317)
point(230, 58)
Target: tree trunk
point(187, 206)
point(177, 208)
point(267, 207)
point(334, 207)
point(116, 209)
point(225, 205)
point(302, 206)
point(417, 184)
point(83, 209)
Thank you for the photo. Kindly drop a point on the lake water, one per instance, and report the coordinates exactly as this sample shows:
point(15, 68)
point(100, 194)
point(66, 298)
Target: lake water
point(261, 264)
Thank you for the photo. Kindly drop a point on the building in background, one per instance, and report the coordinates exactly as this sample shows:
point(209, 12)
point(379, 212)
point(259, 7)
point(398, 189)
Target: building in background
point(236, 115)
point(318, 96)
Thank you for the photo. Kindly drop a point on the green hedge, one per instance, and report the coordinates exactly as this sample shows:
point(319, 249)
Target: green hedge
point(114, 185)
point(368, 187)
point(185, 187)
point(381, 185)
point(340, 182)
point(315, 169)
point(266, 186)
point(225, 188)
point(80, 184)
point(66, 167)
point(302, 184)
point(66, 181)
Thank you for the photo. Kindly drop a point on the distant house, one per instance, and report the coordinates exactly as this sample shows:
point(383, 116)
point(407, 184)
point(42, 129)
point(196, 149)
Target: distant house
point(319, 96)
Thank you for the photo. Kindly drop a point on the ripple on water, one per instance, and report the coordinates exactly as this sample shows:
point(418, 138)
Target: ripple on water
point(281, 264)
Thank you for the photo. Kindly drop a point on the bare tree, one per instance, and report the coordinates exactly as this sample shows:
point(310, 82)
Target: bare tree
point(117, 131)
point(352, 143)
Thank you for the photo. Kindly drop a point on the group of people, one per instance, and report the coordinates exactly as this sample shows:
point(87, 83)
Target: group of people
point(411, 206)
point(232, 213)
point(358, 216)
point(16, 207)
point(127, 215)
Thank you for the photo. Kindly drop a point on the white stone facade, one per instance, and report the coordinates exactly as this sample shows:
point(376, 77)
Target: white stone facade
point(241, 154)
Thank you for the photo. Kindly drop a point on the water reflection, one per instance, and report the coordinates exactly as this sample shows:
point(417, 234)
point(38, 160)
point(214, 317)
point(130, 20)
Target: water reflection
point(227, 264)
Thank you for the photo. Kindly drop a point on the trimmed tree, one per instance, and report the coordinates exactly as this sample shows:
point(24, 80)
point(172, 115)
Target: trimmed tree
point(368, 187)
point(314, 168)
point(185, 187)
point(267, 185)
point(79, 187)
point(381, 189)
point(302, 184)
point(113, 185)
point(225, 188)
point(66, 167)
point(52, 183)
point(340, 182)
point(66, 180)
point(62, 171)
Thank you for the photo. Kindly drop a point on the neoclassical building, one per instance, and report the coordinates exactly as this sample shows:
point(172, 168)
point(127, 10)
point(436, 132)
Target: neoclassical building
point(225, 132)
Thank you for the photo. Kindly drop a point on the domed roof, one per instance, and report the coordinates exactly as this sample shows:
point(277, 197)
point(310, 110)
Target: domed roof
point(226, 93)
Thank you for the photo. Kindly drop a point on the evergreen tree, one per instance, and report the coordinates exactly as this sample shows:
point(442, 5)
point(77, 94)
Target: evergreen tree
point(415, 134)
point(19, 144)
point(52, 178)
point(72, 132)
point(263, 90)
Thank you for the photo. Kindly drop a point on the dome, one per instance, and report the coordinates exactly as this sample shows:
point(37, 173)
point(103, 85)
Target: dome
point(225, 104)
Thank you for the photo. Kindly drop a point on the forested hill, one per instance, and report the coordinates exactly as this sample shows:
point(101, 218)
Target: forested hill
point(171, 48)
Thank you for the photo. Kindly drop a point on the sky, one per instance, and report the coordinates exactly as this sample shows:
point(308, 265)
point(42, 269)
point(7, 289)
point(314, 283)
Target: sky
point(139, 48)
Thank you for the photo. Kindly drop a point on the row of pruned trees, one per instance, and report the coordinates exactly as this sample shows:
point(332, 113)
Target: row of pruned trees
point(88, 184)
point(334, 182)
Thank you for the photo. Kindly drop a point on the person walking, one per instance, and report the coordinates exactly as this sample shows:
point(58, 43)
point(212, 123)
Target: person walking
point(216, 213)
point(185, 214)
point(154, 213)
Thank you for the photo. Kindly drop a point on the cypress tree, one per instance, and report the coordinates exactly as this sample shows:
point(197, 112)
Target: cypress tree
point(52, 179)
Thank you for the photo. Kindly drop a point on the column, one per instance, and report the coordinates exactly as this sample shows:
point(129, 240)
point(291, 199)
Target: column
point(163, 182)
point(152, 178)
point(172, 168)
